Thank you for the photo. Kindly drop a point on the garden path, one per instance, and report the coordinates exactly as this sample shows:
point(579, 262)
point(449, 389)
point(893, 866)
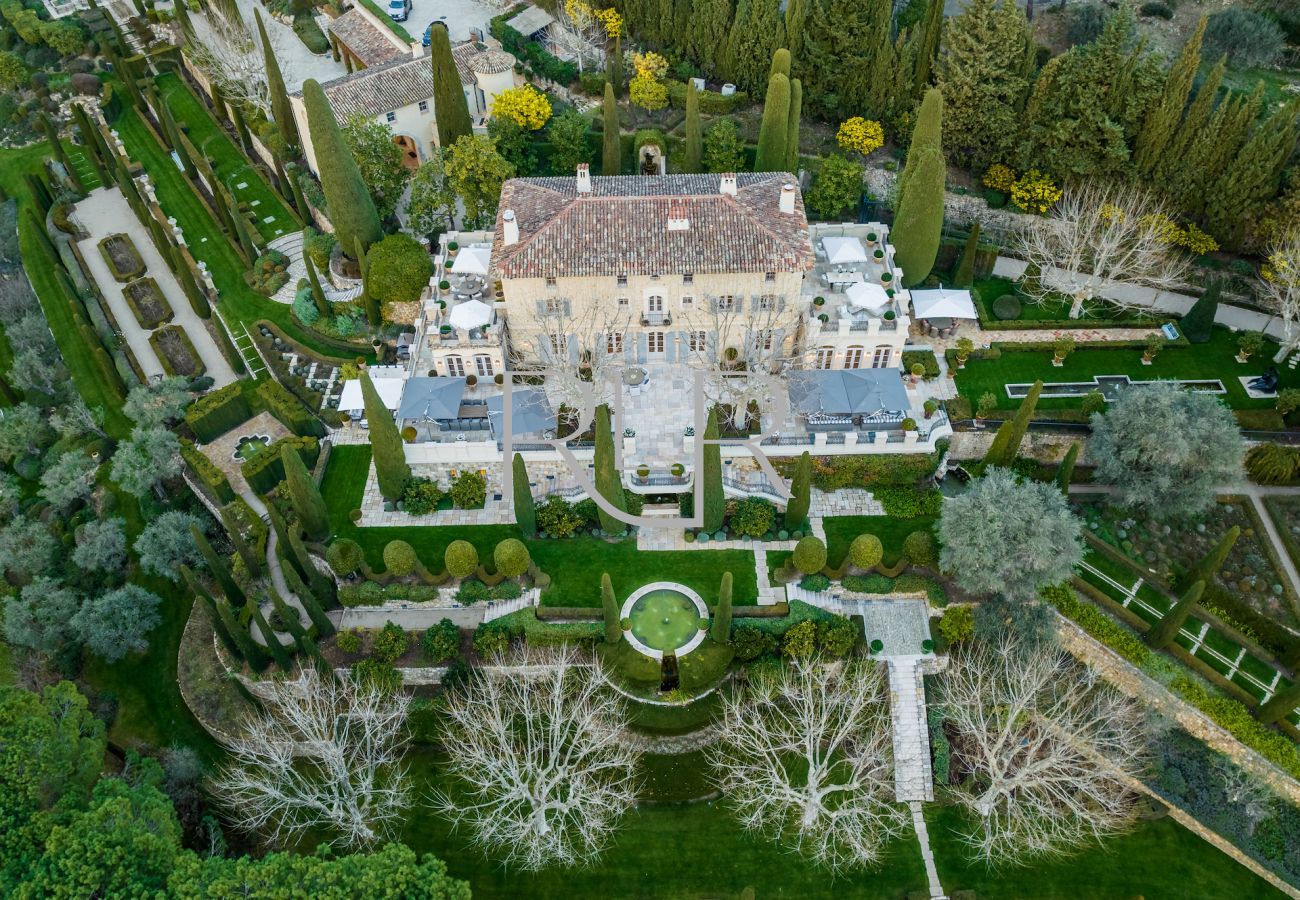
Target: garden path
point(927, 855)
point(291, 246)
point(106, 212)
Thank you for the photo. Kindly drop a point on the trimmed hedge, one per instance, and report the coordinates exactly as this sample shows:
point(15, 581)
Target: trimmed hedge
point(266, 470)
point(1098, 624)
point(372, 593)
point(712, 103)
point(926, 358)
point(207, 473)
point(289, 409)
point(216, 412)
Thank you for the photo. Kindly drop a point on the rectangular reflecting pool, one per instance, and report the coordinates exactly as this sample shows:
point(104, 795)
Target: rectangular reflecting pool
point(1110, 386)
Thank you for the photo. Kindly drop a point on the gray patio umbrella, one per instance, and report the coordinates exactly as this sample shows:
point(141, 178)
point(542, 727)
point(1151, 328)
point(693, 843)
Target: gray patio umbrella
point(530, 412)
point(847, 392)
point(431, 399)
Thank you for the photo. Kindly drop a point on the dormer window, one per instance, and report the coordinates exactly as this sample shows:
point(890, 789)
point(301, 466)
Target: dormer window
point(550, 282)
point(391, 117)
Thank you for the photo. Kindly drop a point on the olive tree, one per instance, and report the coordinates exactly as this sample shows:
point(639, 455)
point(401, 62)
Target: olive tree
point(1009, 537)
point(1166, 451)
point(115, 623)
point(101, 546)
point(167, 543)
point(69, 480)
point(159, 402)
point(149, 457)
point(40, 618)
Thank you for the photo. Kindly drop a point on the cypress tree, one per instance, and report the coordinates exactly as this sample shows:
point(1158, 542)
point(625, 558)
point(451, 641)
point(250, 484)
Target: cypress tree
point(218, 624)
point(780, 63)
point(52, 136)
point(715, 498)
point(239, 223)
point(608, 483)
point(1198, 323)
point(348, 202)
point(1174, 157)
point(449, 106)
point(613, 624)
point(278, 653)
point(1066, 472)
point(1162, 633)
point(183, 19)
point(927, 47)
point(219, 104)
point(694, 135)
point(525, 511)
point(611, 159)
point(385, 442)
point(1210, 564)
point(796, 12)
point(291, 174)
point(281, 111)
point(796, 509)
point(1281, 704)
point(720, 631)
point(251, 562)
point(217, 566)
point(919, 220)
point(317, 291)
point(369, 301)
point(249, 650)
point(614, 71)
point(306, 645)
point(1006, 443)
point(966, 268)
point(772, 131)
point(40, 194)
point(90, 140)
point(305, 496)
point(792, 126)
point(189, 284)
point(1162, 120)
point(288, 615)
point(1253, 175)
point(311, 605)
point(241, 129)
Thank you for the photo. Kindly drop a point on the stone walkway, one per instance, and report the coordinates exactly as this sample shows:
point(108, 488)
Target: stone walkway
point(927, 855)
point(913, 777)
point(222, 450)
point(291, 246)
point(105, 212)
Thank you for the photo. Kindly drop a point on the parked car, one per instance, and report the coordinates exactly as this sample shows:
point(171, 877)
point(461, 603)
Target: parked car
point(399, 10)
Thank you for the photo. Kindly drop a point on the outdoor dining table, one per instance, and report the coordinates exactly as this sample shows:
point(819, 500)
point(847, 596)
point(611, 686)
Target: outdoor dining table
point(844, 277)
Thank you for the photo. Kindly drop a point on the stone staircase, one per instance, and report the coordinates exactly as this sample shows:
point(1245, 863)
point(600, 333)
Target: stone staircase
point(291, 246)
point(913, 780)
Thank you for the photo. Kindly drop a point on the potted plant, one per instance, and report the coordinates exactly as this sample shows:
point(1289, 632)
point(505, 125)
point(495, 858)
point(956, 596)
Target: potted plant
point(908, 425)
point(889, 292)
point(442, 304)
point(930, 407)
point(678, 470)
point(688, 439)
point(629, 440)
point(886, 277)
point(927, 646)
point(444, 285)
point(1248, 344)
point(408, 434)
point(498, 378)
point(878, 253)
point(444, 329)
point(987, 403)
point(643, 471)
point(965, 347)
point(824, 319)
point(452, 247)
point(877, 645)
point(1063, 347)
point(1154, 344)
point(871, 237)
point(917, 370)
point(819, 301)
point(890, 315)
point(471, 380)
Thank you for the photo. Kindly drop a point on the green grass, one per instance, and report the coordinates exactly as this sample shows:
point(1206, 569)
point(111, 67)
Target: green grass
point(1055, 309)
point(1214, 359)
point(229, 163)
point(841, 530)
point(574, 564)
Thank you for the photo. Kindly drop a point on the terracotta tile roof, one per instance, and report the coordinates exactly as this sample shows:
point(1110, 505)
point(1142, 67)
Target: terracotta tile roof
point(621, 227)
point(370, 45)
point(375, 91)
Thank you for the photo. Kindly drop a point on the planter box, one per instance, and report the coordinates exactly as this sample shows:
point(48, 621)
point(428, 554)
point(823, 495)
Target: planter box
point(122, 258)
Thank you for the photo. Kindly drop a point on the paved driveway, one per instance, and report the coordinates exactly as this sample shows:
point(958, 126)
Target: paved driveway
point(460, 16)
point(297, 63)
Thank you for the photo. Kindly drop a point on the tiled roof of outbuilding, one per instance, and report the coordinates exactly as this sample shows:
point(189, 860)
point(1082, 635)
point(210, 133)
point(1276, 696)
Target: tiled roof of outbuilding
point(371, 46)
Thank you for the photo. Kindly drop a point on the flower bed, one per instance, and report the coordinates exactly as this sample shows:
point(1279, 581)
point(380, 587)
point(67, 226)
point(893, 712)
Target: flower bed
point(147, 302)
point(269, 273)
point(122, 258)
point(176, 352)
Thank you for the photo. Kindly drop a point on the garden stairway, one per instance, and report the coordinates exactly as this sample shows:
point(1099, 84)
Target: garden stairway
point(291, 246)
point(913, 779)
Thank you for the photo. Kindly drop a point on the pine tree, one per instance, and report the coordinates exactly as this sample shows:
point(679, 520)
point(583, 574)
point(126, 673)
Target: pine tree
point(694, 135)
point(525, 510)
point(715, 498)
point(1169, 171)
point(281, 111)
point(317, 290)
point(1281, 704)
point(347, 201)
point(1198, 323)
point(386, 443)
point(918, 223)
point(1162, 633)
point(252, 564)
point(965, 275)
point(613, 624)
point(792, 127)
point(1209, 565)
point(1162, 121)
point(772, 131)
point(1006, 443)
point(720, 631)
point(927, 47)
point(796, 508)
point(369, 302)
point(1253, 176)
point(450, 109)
point(271, 639)
point(608, 483)
point(304, 495)
point(217, 567)
point(611, 159)
point(1065, 473)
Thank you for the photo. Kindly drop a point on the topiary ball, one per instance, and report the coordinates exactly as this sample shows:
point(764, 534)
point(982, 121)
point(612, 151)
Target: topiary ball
point(344, 557)
point(511, 558)
point(809, 555)
point(399, 558)
point(919, 549)
point(461, 559)
point(1006, 307)
point(866, 551)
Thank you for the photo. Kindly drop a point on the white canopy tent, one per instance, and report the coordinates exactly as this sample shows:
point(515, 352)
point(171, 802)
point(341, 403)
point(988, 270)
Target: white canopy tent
point(844, 250)
point(470, 314)
point(389, 389)
point(943, 303)
point(867, 295)
point(472, 261)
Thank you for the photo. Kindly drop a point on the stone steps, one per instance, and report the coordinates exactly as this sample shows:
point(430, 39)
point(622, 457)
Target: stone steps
point(912, 774)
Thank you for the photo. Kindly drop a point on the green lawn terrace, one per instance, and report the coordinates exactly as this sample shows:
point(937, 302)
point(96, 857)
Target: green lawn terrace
point(986, 292)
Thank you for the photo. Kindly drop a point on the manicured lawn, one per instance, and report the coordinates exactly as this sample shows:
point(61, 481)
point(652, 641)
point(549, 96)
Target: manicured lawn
point(1214, 359)
point(841, 530)
point(575, 564)
point(226, 159)
point(1053, 310)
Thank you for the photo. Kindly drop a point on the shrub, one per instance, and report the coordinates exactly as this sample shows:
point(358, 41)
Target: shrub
point(511, 558)
point(800, 641)
point(1035, 192)
point(1098, 624)
point(908, 503)
point(815, 583)
point(472, 590)
point(753, 517)
point(441, 642)
point(399, 558)
point(868, 584)
point(1157, 9)
point(469, 491)
point(377, 674)
point(207, 471)
point(1006, 307)
point(809, 555)
point(391, 642)
point(461, 559)
point(557, 517)
point(282, 404)
point(344, 557)
point(349, 641)
point(269, 273)
point(866, 551)
point(265, 470)
point(836, 635)
point(421, 496)
point(491, 639)
point(1084, 23)
point(926, 359)
point(999, 177)
point(399, 269)
point(215, 413)
point(751, 643)
point(957, 624)
point(1270, 463)
point(920, 549)
point(1251, 39)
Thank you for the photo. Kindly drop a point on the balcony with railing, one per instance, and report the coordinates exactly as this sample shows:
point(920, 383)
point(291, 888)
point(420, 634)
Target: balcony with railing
point(656, 319)
point(654, 481)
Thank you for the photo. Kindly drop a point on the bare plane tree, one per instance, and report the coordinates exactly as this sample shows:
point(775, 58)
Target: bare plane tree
point(805, 757)
point(325, 753)
point(1042, 748)
point(229, 54)
point(1100, 233)
point(1279, 283)
point(543, 775)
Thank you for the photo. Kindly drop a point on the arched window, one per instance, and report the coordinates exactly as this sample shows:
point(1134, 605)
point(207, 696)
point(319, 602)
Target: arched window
point(853, 358)
point(455, 366)
point(483, 365)
point(882, 357)
point(824, 358)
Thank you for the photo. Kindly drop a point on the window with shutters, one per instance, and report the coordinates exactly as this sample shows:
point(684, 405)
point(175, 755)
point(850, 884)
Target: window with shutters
point(624, 302)
point(554, 306)
point(763, 339)
point(726, 303)
point(688, 302)
point(424, 106)
point(699, 341)
point(550, 282)
point(614, 342)
point(767, 302)
point(559, 343)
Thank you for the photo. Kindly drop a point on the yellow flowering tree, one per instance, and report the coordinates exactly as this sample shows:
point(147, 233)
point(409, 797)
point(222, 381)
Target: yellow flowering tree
point(999, 177)
point(1035, 192)
point(1197, 242)
point(861, 135)
point(524, 105)
point(585, 30)
point(646, 89)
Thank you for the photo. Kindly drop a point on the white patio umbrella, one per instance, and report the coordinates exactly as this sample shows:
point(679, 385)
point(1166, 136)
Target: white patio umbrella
point(943, 303)
point(472, 261)
point(867, 295)
point(844, 250)
point(470, 314)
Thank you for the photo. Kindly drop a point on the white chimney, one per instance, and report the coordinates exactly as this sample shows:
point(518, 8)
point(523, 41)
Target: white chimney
point(417, 50)
point(728, 185)
point(786, 204)
point(584, 178)
point(509, 228)
point(678, 220)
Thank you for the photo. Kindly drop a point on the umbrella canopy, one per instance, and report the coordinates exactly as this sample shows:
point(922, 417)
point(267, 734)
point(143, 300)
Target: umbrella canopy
point(847, 391)
point(530, 411)
point(472, 261)
point(470, 314)
point(388, 389)
point(844, 250)
point(867, 295)
point(944, 303)
point(431, 398)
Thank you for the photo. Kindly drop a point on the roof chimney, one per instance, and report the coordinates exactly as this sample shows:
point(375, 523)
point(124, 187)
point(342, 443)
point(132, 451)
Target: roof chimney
point(786, 204)
point(509, 228)
point(417, 50)
point(728, 185)
point(678, 220)
point(584, 178)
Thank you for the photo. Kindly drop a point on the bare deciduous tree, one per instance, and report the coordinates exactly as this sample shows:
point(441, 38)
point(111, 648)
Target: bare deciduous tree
point(805, 758)
point(1279, 283)
point(325, 753)
point(1097, 234)
point(580, 33)
point(1042, 749)
point(229, 54)
point(544, 775)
